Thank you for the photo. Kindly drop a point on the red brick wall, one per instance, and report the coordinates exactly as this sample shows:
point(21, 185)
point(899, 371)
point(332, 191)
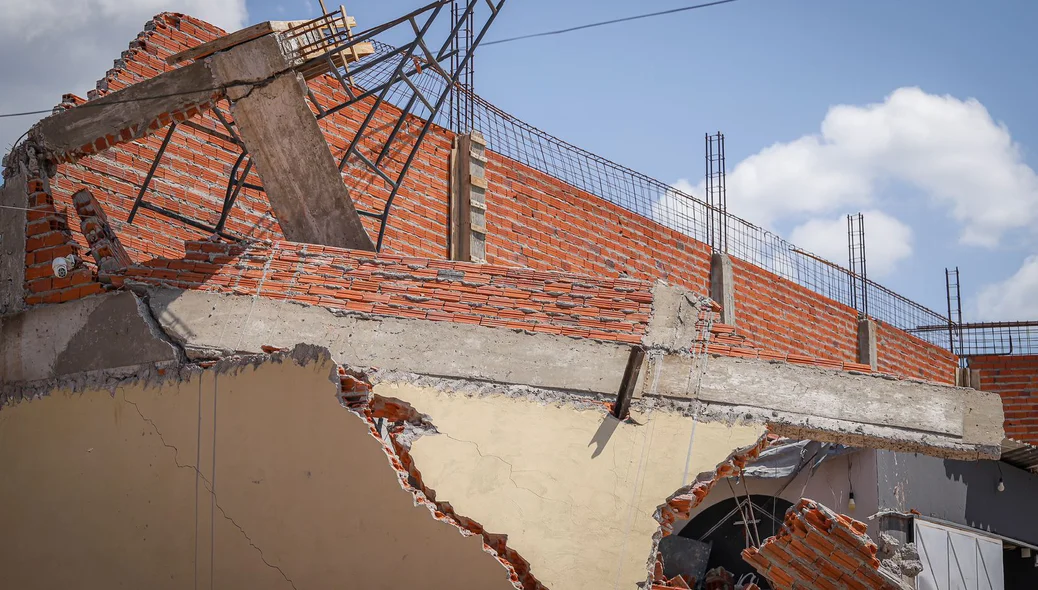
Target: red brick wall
point(1015, 378)
point(901, 353)
point(551, 302)
point(539, 221)
point(778, 314)
point(533, 219)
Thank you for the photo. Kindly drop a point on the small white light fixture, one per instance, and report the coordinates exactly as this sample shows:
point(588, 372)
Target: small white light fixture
point(1025, 552)
point(851, 504)
point(1001, 485)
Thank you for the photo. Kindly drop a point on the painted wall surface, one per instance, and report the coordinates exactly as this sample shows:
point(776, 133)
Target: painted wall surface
point(830, 485)
point(963, 492)
point(103, 488)
point(574, 489)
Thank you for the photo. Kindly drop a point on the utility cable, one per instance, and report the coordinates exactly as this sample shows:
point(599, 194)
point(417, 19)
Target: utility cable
point(100, 103)
point(606, 22)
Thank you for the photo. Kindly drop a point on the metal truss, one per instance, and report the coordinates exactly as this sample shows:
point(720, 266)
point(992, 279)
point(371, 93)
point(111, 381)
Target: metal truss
point(403, 63)
point(237, 180)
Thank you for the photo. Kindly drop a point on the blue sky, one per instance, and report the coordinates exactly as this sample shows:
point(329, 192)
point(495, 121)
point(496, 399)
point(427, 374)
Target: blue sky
point(765, 72)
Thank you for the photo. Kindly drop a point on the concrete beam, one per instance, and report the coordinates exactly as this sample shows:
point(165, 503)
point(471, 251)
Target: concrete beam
point(722, 286)
point(839, 406)
point(867, 331)
point(110, 331)
point(124, 115)
point(299, 174)
point(268, 102)
point(210, 325)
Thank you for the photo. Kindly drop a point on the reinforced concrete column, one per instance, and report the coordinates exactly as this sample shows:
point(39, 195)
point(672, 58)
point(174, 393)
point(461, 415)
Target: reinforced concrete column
point(468, 239)
point(966, 377)
point(867, 342)
point(722, 286)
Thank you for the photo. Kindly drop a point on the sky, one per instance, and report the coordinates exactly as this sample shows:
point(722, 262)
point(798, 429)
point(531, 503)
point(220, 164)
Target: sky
point(918, 114)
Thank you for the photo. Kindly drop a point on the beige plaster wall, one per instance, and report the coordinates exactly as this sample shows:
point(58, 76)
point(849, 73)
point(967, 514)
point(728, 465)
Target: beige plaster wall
point(575, 490)
point(102, 491)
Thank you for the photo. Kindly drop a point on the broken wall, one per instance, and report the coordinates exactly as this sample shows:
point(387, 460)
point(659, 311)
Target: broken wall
point(574, 489)
point(240, 476)
point(534, 220)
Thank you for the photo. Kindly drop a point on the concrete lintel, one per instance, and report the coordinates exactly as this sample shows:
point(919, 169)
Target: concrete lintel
point(108, 331)
point(867, 330)
point(210, 325)
point(722, 285)
point(836, 405)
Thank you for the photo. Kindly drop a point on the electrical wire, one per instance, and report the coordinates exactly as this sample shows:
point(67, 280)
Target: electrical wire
point(606, 22)
point(101, 102)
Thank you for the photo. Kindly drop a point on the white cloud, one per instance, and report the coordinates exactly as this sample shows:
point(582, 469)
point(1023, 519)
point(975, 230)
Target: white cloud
point(51, 47)
point(964, 162)
point(887, 240)
point(1015, 298)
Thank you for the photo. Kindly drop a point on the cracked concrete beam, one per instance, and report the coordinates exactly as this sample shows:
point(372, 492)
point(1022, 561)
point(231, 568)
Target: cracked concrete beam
point(109, 331)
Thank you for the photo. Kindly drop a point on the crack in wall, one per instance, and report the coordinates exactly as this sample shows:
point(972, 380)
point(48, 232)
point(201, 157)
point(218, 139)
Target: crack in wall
point(403, 424)
point(208, 486)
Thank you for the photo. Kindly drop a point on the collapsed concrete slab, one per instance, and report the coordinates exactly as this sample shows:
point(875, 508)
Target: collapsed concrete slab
point(267, 97)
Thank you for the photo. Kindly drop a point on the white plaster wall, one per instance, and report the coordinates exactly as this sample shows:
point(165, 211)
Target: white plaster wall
point(575, 490)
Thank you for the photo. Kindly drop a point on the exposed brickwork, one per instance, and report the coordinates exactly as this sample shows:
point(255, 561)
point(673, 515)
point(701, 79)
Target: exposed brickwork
point(538, 221)
point(356, 395)
point(817, 549)
point(679, 507)
point(48, 236)
point(901, 353)
point(108, 252)
point(1015, 378)
point(533, 220)
point(615, 310)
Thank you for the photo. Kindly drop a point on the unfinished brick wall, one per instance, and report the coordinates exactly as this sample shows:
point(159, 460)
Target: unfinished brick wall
point(533, 219)
point(901, 353)
point(1015, 378)
point(539, 221)
point(615, 310)
point(780, 315)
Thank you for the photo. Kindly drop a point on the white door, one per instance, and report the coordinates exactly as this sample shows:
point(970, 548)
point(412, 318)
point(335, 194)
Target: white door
point(955, 559)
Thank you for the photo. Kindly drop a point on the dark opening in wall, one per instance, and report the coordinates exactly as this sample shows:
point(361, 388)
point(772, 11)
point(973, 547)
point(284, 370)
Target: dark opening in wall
point(731, 526)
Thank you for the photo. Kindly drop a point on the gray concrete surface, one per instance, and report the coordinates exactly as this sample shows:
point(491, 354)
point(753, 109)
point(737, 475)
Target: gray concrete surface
point(867, 342)
point(299, 174)
point(839, 406)
point(962, 492)
point(12, 245)
point(108, 331)
point(722, 285)
point(672, 325)
point(209, 324)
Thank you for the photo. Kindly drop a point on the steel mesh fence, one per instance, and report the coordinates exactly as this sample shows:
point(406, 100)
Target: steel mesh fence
point(643, 195)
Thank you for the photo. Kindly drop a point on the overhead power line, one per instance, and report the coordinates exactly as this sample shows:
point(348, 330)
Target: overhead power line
point(607, 22)
point(92, 104)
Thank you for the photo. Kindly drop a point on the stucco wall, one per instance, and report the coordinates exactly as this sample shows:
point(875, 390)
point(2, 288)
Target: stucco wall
point(574, 489)
point(96, 497)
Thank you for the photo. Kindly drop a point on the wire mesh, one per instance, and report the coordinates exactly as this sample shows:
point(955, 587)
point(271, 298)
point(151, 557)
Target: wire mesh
point(991, 338)
point(643, 195)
